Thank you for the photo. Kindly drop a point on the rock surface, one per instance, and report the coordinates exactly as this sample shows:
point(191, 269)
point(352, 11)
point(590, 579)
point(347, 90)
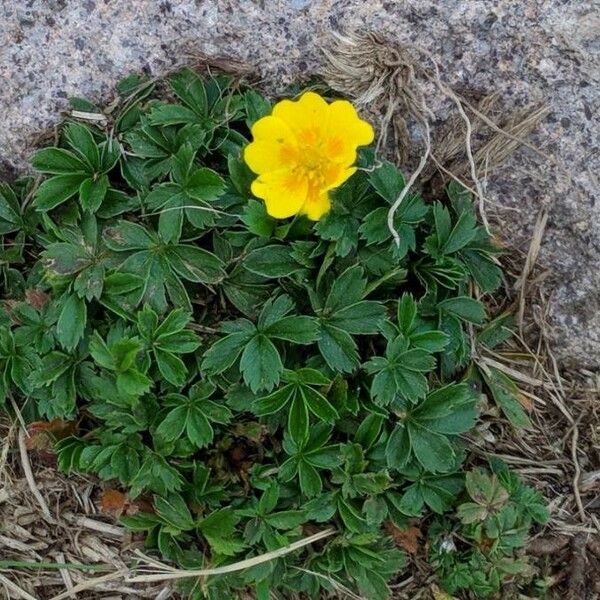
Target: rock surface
point(534, 49)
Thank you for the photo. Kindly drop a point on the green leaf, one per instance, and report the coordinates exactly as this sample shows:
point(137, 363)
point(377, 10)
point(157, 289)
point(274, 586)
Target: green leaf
point(288, 519)
point(407, 311)
point(400, 373)
point(242, 177)
point(311, 484)
point(92, 192)
point(196, 264)
point(173, 425)
point(173, 511)
point(223, 353)
point(465, 308)
point(431, 449)
point(190, 89)
point(132, 382)
point(298, 420)
point(82, 142)
point(359, 319)
point(171, 367)
point(443, 222)
point(300, 330)
point(257, 220)
point(66, 259)
point(72, 321)
point(204, 184)
point(261, 364)
point(368, 431)
point(56, 190)
point(430, 341)
point(462, 233)
point(398, 448)
point(318, 404)
point(256, 106)
point(269, 499)
point(506, 395)
point(273, 403)
point(338, 348)
point(387, 181)
point(271, 261)
point(57, 161)
point(219, 528)
point(347, 289)
point(125, 236)
point(171, 114)
point(198, 428)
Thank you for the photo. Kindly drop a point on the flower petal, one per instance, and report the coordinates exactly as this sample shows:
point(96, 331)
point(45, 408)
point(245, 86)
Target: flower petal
point(344, 131)
point(316, 206)
point(284, 192)
point(336, 175)
point(265, 156)
point(273, 129)
point(305, 116)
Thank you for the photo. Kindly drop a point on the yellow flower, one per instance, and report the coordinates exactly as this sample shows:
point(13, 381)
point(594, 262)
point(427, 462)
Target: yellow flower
point(302, 151)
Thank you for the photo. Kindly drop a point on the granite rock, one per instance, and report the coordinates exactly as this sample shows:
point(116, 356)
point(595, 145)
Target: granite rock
point(530, 50)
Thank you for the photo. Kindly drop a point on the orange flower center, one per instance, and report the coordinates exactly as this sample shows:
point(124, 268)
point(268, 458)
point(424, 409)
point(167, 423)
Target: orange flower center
point(312, 164)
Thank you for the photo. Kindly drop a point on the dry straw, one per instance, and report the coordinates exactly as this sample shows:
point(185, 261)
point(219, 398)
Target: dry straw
point(393, 81)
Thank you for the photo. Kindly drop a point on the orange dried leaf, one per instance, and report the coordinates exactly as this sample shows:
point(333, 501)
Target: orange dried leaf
point(139, 505)
point(113, 502)
point(36, 298)
point(525, 401)
point(42, 434)
point(407, 539)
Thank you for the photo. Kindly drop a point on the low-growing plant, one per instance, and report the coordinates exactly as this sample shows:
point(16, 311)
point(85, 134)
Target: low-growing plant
point(255, 380)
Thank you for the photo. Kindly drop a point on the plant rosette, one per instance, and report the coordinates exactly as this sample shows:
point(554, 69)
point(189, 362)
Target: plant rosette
point(207, 286)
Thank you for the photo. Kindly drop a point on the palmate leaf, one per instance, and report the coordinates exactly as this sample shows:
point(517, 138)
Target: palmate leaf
point(193, 415)
point(388, 183)
point(153, 151)
point(342, 314)
point(189, 194)
point(299, 398)
point(120, 356)
point(309, 457)
point(399, 376)
point(81, 259)
point(80, 170)
point(166, 339)
point(457, 236)
point(260, 361)
point(427, 430)
point(163, 265)
point(15, 215)
point(437, 492)
point(17, 361)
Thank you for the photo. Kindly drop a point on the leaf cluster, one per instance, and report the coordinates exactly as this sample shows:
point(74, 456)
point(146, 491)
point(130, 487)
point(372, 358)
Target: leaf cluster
point(248, 379)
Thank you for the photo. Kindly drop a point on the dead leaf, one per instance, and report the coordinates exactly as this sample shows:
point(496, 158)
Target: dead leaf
point(37, 298)
point(139, 505)
point(525, 401)
point(407, 539)
point(113, 502)
point(43, 434)
point(439, 594)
